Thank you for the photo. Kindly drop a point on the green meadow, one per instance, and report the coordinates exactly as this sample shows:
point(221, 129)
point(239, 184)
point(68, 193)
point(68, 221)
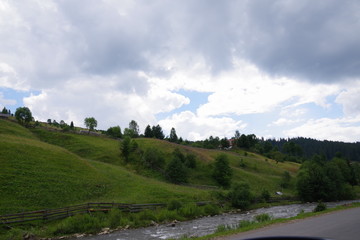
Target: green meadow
point(43, 168)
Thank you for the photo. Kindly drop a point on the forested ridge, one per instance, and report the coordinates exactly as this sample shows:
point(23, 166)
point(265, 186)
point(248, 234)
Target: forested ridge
point(311, 147)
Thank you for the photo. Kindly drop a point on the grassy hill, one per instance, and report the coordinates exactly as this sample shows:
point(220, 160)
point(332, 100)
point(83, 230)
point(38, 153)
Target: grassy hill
point(46, 169)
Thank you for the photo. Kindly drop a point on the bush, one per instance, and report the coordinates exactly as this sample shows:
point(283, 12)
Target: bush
point(211, 209)
point(114, 218)
point(245, 223)
point(263, 217)
point(320, 207)
point(190, 211)
point(240, 196)
point(165, 215)
point(174, 205)
point(176, 172)
point(265, 195)
point(222, 172)
point(79, 224)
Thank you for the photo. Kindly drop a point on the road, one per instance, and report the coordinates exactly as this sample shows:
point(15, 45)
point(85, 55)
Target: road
point(340, 225)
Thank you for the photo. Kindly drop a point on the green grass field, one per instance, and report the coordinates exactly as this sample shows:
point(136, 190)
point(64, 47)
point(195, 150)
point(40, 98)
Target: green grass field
point(45, 169)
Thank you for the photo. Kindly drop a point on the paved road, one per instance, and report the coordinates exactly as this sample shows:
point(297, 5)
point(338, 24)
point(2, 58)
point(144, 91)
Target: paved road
point(340, 225)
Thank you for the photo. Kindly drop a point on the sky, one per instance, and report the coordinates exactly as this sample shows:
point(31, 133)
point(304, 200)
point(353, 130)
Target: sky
point(276, 69)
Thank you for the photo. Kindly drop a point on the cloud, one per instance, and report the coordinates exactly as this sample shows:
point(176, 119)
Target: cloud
point(284, 122)
point(340, 129)
point(119, 61)
point(315, 41)
point(102, 98)
point(248, 90)
point(192, 127)
point(350, 99)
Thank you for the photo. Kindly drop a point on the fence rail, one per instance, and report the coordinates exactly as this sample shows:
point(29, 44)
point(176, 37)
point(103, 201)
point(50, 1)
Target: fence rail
point(58, 213)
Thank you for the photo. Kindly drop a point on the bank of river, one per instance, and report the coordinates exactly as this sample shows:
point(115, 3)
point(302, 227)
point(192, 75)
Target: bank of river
point(207, 225)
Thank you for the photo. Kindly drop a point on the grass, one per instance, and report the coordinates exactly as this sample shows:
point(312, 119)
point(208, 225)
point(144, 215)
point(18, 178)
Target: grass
point(43, 169)
point(36, 175)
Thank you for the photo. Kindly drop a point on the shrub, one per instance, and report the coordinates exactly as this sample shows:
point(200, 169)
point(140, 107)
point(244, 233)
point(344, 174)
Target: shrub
point(211, 209)
point(320, 207)
point(114, 218)
point(79, 223)
point(245, 223)
point(174, 205)
point(165, 215)
point(222, 228)
point(263, 217)
point(190, 211)
point(222, 172)
point(176, 172)
point(265, 195)
point(240, 196)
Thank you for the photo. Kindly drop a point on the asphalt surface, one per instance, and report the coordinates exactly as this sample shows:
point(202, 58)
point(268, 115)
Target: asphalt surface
point(340, 225)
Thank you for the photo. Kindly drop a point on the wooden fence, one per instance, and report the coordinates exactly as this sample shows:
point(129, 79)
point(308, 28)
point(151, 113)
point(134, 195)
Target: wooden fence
point(58, 213)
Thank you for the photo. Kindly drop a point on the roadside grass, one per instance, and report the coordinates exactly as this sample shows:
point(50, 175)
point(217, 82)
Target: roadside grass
point(264, 221)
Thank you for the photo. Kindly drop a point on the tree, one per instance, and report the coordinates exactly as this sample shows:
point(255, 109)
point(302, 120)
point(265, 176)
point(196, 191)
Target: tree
point(114, 132)
point(285, 179)
point(134, 127)
point(5, 111)
point(62, 124)
point(90, 123)
point(71, 125)
point(148, 133)
point(190, 160)
point(158, 132)
point(49, 121)
point(173, 136)
point(153, 158)
point(126, 148)
point(237, 134)
point(23, 115)
point(222, 172)
point(175, 171)
point(224, 143)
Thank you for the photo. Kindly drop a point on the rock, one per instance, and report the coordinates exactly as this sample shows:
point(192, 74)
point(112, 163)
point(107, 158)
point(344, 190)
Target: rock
point(78, 235)
point(29, 236)
point(104, 231)
point(153, 223)
point(173, 223)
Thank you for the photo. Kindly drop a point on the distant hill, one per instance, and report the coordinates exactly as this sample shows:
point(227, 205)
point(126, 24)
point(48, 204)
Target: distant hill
point(310, 147)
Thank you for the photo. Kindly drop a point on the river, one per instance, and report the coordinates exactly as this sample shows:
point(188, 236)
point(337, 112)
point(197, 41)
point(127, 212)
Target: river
point(207, 225)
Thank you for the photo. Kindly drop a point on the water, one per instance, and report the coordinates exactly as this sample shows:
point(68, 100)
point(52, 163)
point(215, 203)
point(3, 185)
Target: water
point(207, 225)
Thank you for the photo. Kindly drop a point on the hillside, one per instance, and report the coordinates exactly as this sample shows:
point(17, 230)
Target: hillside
point(46, 169)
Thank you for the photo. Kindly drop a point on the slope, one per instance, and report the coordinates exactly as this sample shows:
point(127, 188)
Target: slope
point(37, 175)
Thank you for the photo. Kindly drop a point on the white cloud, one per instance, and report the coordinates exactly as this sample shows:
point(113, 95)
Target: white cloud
point(192, 127)
point(247, 90)
point(283, 122)
point(340, 129)
point(350, 99)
